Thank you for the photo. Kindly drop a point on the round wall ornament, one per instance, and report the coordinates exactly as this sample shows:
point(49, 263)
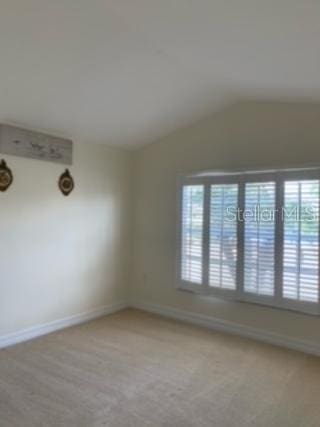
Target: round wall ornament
point(66, 183)
point(6, 177)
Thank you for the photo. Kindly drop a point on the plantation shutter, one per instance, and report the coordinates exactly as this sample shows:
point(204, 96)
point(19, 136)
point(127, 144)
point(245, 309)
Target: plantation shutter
point(223, 236)
point(252, 236)
point(301, 240)
point(259, 238)
point(192, 233)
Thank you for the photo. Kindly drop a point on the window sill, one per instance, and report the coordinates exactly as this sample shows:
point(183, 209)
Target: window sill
point(300, 307)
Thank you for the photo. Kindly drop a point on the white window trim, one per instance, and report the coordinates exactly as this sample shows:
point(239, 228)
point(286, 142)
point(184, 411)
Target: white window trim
point(242, 177)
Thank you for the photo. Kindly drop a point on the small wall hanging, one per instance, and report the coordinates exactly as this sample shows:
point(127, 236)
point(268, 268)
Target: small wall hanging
point(6, 177)
point(66, 183)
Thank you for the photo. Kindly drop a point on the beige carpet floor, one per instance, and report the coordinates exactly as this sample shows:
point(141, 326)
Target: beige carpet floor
point(137, 369)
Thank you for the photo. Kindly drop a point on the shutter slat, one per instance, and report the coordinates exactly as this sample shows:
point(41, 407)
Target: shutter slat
point(301, 241)
point(191, 239)
point(259, 238)
point(223, 236)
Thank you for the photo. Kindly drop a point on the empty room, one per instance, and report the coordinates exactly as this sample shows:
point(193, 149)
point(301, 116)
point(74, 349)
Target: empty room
point(159, 213)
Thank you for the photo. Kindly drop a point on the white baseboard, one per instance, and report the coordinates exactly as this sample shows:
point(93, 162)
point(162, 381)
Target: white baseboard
point(46, 328)
point(173, 313)
point(230, 327)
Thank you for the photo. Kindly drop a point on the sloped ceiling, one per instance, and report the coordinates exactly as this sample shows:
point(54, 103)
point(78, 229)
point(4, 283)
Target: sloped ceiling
point(128, 72)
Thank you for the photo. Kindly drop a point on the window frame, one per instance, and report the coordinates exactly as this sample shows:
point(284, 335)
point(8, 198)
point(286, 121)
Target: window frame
point(239, 294)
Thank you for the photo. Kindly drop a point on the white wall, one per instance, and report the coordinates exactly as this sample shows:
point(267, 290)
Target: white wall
point(59, 255)
point(247, 135)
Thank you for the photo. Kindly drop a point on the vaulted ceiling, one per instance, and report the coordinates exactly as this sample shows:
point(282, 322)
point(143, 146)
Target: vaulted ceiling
point(128, 72)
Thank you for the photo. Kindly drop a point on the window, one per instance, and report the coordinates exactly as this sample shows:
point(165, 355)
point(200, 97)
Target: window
point(223, 237)
point(192, 230)
point(301, 241)
point(252, 237)
point(259, 238)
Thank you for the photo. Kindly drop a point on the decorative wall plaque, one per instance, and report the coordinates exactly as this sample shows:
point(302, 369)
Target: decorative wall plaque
point(66, 183)
point(6, 176)
point(35, 145)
